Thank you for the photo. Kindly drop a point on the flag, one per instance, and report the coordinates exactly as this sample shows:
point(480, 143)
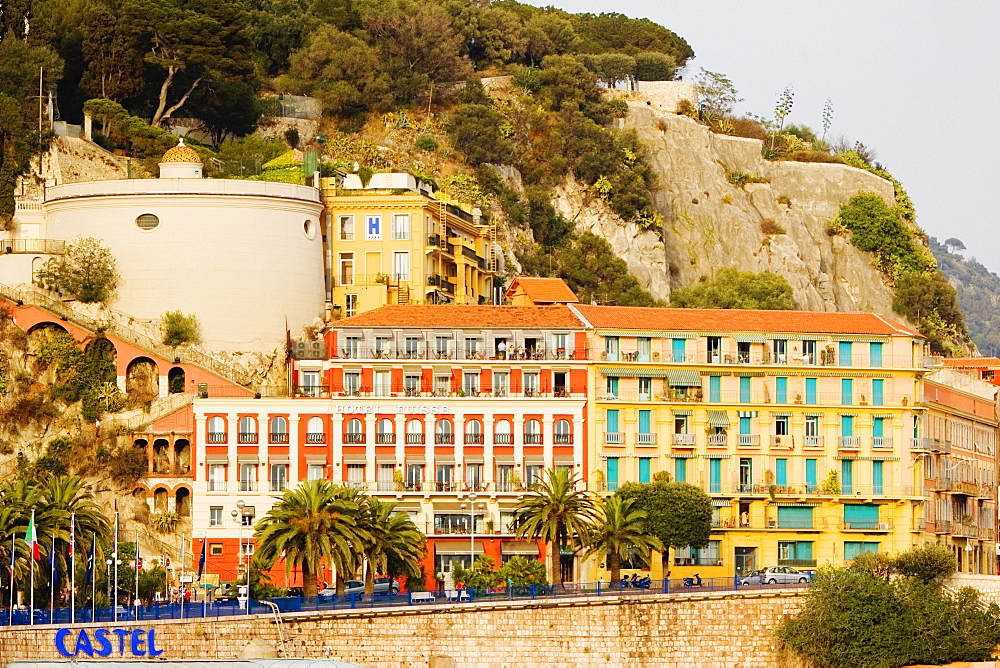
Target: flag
point(203, 557)
point(91, 558)
point(31, 537)
point(72, 535)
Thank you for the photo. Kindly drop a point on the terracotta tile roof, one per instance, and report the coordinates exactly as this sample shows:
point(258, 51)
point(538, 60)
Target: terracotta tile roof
point(734, 320)
point(461, 316)
point(971, 362)
point(544, 289)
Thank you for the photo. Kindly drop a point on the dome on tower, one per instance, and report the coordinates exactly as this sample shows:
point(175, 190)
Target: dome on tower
point(180, 162)
point(181, 153)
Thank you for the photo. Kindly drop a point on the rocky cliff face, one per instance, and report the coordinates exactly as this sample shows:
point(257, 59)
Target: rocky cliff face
point(710, 223)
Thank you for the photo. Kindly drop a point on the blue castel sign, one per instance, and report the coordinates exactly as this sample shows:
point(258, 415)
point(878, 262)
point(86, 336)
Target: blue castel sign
point(105, 642)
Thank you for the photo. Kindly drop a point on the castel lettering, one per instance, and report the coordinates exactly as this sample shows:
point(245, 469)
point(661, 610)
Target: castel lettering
point(105, 642)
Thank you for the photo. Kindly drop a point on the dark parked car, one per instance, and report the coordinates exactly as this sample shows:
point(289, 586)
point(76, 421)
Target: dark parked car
point(382, 586)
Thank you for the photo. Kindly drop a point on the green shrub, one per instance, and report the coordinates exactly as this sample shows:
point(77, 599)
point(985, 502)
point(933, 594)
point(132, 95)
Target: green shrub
point(179, 328)
point(475, 130)
point(929, 300)
point(814, 156)
point(927, 563)
point(878, 228)
point(745, 127)
point(527, 79)
point(426, 143)
point(619, 108)
point(740, 178)
point(87, 272)
point(165, 522)
point(732, 288)
point(853, 618)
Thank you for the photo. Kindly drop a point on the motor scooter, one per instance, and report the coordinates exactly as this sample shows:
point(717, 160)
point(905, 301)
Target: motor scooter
point(694, 581)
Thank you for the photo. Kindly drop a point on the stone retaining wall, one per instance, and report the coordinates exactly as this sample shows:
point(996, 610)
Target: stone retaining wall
point(720, 631)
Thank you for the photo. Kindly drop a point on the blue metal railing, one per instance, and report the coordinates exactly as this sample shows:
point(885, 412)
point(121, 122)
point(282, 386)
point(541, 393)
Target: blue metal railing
point(293, 604)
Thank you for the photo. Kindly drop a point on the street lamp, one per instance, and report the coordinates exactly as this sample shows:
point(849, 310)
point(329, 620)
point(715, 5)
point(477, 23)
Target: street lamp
point(472, 527)
point(238, 517)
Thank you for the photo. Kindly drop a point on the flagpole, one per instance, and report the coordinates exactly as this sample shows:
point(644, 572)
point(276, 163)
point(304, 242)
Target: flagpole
point(52, 577)
point(181, 578)
point(114, 563)
point(34, 542)
point(138, 560)
point(93, 578)
point(13, 543)
point(72, 568)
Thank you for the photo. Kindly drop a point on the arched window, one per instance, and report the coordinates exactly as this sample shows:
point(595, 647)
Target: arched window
point(355, 431)
point(248, 430)
point(314, 430)
point(473, 432)
point(442, 433)
point(563, 434)
point(502, 433)
point(216, 430)
point(532, 432)
point(279, 430)
point(384, 431)
point(415, 431)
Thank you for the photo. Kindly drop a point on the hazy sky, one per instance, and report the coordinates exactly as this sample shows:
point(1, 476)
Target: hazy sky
point(917, 81)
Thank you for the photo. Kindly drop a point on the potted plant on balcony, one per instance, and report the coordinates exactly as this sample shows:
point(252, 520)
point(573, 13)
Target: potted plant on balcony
point(798, 398)
point(831, 484)
point(515, 480)
point(397, 480)
point(864, 400)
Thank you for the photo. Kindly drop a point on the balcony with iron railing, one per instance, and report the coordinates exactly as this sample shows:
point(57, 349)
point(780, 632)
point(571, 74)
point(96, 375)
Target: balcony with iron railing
point(315, 437)
point(562, 439)
point(277, 438)
point(354, 438)
point(444, 439)
point(755, 397)
point(474, 439)
point(614, 437)
point(765, 359)
point(247, 437)
point(867, 527)
point(216, 437)
point(643, 438)
point(717, 440)
point(385, 438)
point(798, 563)
point(748, 440)
point(482, 352)
point(683, 439)
point(532, 439)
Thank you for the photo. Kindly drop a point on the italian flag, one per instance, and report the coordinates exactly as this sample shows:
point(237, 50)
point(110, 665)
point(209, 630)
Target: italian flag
point(31, 537)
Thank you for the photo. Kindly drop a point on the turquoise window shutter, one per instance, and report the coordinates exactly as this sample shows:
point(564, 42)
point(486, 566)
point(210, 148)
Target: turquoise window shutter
point(677, 349)
point(846, 354)
point(847, 391)
point(644, 420)
point(644, 469)
point(714, 388)
point(612, 474)
point(744, 390)
point(612, 420)
point(781, 390)
point(811, 475)
point(680, 470)
point(847, 477)
point(875, 354)
point(781, 472)
point(877, 476)
point(877, 392)
point(715, 475)
point(810, 390)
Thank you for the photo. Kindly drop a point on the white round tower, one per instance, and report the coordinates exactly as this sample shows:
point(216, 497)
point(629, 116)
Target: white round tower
point(181, 162)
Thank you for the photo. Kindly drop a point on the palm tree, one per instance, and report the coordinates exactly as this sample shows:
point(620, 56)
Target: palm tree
point(64, 497)
point(311, 525)
point(620, 528)
point(394, 541)
point(557, 513)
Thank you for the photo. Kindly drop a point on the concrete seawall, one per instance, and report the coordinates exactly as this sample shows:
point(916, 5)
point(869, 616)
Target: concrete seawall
point(673, 631)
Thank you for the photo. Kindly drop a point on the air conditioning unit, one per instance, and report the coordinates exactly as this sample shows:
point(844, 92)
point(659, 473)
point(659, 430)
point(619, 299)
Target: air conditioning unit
point(309, 350)
point(883, 526)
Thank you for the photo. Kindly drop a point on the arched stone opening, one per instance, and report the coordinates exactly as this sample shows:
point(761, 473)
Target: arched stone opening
point(182, 456)
point(161, 499)
point(142, 380)
point(183, 501)
point(161, 456)
point(176, 380)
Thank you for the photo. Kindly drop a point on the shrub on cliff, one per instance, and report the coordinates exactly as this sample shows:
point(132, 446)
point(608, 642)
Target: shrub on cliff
point(856, 618)
point(87, 272)
point(732, 288)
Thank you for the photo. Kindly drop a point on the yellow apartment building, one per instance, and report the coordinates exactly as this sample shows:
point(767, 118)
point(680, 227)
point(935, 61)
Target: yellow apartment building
point(395, 241)
point(808, 431)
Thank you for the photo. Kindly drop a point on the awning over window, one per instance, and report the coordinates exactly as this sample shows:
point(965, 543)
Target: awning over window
point(683, 378)
point(360, 457)
point(249, 458)
point(216, 458)
point(474, 459)
point(564, 460)
point(416, 459)
point(525, 547)
point(721, 503)
point(386, 458)
point(503, 459)
point(680, 412)
point(278, 459)
point(749, 338)
point(458, 547)
point(316, 459)
point(651, 373)
point(718, 418)
point(442, 459)
point(534, 460)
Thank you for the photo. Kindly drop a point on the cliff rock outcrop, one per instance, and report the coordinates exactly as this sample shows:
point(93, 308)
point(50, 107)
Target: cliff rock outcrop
point(710, 223)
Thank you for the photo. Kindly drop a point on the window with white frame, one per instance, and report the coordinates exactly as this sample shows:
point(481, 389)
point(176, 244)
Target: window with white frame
point(385, 431)
point(347, 269)
point(501, 383)
point(352, 384)
point(473, 432)
point(401, 226)
point(215, 516)
point(502, 433)
point(279, 430)
point(248, 477)
point(411, 384)
point(315, 433)
point(346, 228)
point(531, 384)
point(383, 383)
point(470, 383)
point(217, 477)
point(216, 430)
point(355, 474)
point(279, 477)
point(315, 472)
point(401, 266)
point(350, 305)
point(414, 431)
point(443, 432)
point(355, 431)
point(532, 432)
point(248, 430)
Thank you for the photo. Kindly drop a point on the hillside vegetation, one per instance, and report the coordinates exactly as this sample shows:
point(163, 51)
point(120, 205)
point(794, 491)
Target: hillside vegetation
point(978, 291)
point(398, 82)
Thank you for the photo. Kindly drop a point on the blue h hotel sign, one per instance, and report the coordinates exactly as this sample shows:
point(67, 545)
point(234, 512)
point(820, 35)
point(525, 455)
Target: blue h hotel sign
point(105, 642)
point(374, 230)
